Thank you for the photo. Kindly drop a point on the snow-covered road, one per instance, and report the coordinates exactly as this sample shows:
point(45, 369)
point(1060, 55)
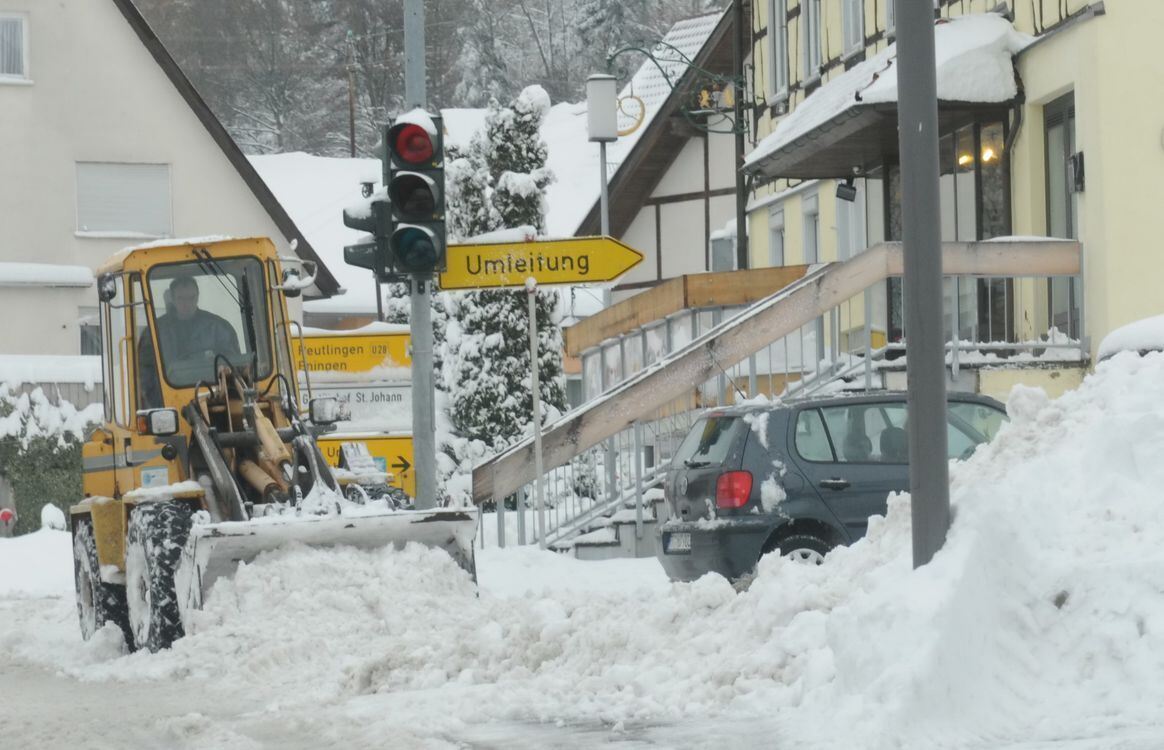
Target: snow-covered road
point(1040, 625)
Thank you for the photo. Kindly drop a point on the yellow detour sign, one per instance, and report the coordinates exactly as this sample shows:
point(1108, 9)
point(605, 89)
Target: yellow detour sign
point(578, 260)
point(357, 352)
point(392, 453)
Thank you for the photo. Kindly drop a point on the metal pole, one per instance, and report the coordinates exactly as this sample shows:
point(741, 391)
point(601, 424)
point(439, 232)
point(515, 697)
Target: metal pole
point(423, 385)
point(521, 516)
point(603, 207)
point(531, 290)
point(638, 436)
point(351, 99)
point(379, 300)
point(423, 401)
point(738, 74)
point(929, 484)
point(604, 194)
point(414, 80)
point(501, 523)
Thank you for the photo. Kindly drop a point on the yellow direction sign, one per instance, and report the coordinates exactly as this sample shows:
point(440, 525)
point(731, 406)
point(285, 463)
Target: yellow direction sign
point(578, 260)
point(341, 351)
point(392, 453)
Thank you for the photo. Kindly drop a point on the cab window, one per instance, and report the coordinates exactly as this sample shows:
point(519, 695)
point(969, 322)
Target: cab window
point(207, 313)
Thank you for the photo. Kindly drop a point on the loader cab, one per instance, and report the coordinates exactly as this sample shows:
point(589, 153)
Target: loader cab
point(171, 318)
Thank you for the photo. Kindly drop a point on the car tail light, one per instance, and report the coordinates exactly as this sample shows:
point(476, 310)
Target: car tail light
point(732, 489)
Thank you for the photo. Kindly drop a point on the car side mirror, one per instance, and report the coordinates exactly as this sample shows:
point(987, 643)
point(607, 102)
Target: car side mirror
point(158, 422)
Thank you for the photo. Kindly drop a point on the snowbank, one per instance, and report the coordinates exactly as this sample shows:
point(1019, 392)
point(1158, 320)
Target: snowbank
point(1140, 336)
point(1041, 619)
point(36, 564)
point(49, 368)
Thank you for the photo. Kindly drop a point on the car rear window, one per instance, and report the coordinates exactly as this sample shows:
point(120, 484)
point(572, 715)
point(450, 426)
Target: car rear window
point(709, 441)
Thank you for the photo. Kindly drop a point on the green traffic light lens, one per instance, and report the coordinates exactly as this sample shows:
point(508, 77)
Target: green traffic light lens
point(414, 250)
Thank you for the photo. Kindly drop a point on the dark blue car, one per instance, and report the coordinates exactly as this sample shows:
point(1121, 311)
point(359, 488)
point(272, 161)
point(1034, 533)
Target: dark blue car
point(799, 477)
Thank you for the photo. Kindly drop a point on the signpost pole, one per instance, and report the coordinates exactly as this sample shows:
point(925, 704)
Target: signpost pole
point(531, 289)
point(929, 483)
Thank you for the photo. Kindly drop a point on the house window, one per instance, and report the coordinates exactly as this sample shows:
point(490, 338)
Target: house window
point(811, 230)
point(123, 200)
point(854, 20)
point(810, 15)
point(776, 236)
point(89, 326)
point(778, 32)
point(13, 47)
point(890, 17)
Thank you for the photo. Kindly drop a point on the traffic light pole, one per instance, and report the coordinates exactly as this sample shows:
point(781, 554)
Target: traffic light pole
point(420, 289)
point(929, 483)
point(423, 385)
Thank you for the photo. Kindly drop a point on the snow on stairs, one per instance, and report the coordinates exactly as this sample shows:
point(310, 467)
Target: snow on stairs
point(613, 535)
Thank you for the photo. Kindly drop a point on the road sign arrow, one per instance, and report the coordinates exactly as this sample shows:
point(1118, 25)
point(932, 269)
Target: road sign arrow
point(403, 465)
point(577, 260)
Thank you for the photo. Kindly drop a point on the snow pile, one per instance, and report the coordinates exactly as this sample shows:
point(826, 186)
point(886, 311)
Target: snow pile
point(1042, 618)
point(973, 57)
point(1141, 336)
point(36, 565)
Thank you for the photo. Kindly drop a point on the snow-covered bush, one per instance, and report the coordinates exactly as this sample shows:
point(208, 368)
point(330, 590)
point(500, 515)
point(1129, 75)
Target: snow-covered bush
point(40, 452)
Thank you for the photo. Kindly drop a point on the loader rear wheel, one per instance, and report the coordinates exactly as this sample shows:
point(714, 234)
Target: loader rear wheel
point(97, 602)
point(153, 547)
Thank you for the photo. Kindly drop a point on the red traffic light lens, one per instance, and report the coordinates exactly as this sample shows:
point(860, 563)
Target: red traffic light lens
point(413, 144)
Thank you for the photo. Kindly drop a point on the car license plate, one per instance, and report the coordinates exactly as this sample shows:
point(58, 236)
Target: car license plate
point(679, 541)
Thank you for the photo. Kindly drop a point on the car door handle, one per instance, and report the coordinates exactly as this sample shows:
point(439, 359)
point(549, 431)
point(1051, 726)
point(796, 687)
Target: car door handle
point(834, 484)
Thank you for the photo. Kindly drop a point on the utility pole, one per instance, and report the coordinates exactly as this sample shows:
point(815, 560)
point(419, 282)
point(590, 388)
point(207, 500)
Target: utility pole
point(929, 481)
point(352, 101)
point(420, 288)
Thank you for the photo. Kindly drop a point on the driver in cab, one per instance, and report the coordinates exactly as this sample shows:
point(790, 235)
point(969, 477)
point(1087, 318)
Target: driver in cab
point(186, 330)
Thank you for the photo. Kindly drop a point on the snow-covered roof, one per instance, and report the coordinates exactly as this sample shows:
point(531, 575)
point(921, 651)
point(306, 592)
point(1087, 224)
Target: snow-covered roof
point(1141, 336)
point(45, 274)
point(973, 56)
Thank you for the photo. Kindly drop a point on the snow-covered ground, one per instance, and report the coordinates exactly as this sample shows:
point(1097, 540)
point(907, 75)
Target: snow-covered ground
point(1040, 624)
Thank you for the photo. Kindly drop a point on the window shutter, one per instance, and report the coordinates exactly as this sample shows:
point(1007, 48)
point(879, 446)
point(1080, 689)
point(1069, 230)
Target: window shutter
point(124, 198)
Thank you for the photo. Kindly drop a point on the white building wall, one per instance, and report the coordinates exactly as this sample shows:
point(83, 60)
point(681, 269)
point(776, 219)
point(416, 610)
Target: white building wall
point(97, 95)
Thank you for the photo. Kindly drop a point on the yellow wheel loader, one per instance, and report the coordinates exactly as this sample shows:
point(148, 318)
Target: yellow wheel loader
point(204, 460)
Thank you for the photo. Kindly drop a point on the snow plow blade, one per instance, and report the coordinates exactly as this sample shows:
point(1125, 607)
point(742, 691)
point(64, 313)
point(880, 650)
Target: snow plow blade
point(215, 550)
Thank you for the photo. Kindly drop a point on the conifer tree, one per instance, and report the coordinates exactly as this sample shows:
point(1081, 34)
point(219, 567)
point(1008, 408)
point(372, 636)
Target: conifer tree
point(490, 376)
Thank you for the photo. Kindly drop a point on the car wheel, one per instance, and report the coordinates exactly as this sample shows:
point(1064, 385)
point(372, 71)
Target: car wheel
point(97, 602)
point(804, 548)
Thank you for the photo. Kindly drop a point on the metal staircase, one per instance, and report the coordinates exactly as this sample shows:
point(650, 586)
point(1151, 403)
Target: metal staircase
point(621, 441)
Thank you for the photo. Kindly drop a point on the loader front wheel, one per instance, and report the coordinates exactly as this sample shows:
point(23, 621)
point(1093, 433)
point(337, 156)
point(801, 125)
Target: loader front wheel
point(153, 547)
point(97, 602)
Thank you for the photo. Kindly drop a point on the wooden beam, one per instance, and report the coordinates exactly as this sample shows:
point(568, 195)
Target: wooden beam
point(673, 295)
point(769, 320)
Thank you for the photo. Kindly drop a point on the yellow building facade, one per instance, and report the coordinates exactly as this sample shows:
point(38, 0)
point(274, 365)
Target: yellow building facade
point(1073, 154)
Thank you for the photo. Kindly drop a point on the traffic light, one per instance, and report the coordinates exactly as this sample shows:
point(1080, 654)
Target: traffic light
point(372, 216)
point(415, 162)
